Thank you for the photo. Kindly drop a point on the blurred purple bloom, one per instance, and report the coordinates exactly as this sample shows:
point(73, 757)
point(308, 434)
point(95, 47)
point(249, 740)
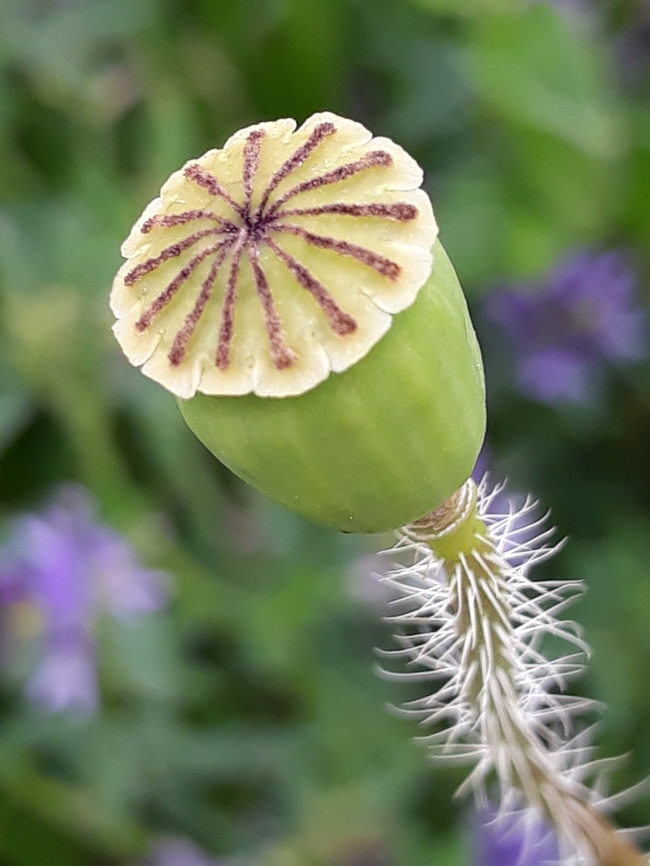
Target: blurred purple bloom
point(72, 570)
point(176, 851)
point(518, 839)
point(563, 329)
point(66, 676)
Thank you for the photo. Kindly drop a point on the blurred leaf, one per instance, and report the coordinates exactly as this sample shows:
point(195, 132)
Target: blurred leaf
point(172, 460)
point(637, 192)
point(60, 241)
point(280, 620)
point(62, 47)
point(42, 818)
point(15, 411)
point(617, 572)
point(474, 213)
point(26, 839)
point(291, 53)
point(16, 408)
point(431, 95)
point(467, 8)
point(145, 657)
point(539, 68)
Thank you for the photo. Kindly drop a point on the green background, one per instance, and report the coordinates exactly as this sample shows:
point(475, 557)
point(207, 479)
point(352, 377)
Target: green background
point(247, 715)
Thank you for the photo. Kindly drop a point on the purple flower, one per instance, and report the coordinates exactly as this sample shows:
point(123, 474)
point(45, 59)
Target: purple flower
point(66, 676)
point(176, 851)
point(517, 839)
point(564, 329)
point(72, 570)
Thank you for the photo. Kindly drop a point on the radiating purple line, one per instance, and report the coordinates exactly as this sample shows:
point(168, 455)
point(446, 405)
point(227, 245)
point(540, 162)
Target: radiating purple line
point(179, 347)
point(294, 162)
point(282, 356)
point(165, 297)
point(340, 322)
point(370, 160)
point(179, 219)
point(226, 330)
point(211, 184)
point(170, 252)
point(252, 150)
point(381, 264)
point(400, 211)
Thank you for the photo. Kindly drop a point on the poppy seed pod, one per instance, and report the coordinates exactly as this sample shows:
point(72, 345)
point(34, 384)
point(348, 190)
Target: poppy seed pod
point(290, 291)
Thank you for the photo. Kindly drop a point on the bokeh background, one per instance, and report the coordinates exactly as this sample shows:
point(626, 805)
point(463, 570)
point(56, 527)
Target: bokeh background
point(186, 669)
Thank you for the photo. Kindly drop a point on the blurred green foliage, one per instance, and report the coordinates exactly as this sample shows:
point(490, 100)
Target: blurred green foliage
point(247, 716)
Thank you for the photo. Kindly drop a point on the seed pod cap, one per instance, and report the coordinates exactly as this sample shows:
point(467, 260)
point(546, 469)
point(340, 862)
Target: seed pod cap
point(270, 263)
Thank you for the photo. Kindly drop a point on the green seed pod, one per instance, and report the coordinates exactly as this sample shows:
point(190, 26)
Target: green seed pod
point(288, 291)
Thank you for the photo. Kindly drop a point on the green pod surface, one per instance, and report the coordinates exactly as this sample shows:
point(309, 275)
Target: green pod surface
point(378, 445)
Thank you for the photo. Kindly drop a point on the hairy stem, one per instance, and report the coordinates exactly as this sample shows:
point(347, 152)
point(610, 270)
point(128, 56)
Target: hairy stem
point(479, 623)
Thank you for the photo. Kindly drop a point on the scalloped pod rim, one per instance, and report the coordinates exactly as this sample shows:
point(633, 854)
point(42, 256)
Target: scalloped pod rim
point(377, 446)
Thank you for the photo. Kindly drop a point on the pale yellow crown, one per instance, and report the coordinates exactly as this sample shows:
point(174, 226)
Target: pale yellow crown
point(266, 265)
